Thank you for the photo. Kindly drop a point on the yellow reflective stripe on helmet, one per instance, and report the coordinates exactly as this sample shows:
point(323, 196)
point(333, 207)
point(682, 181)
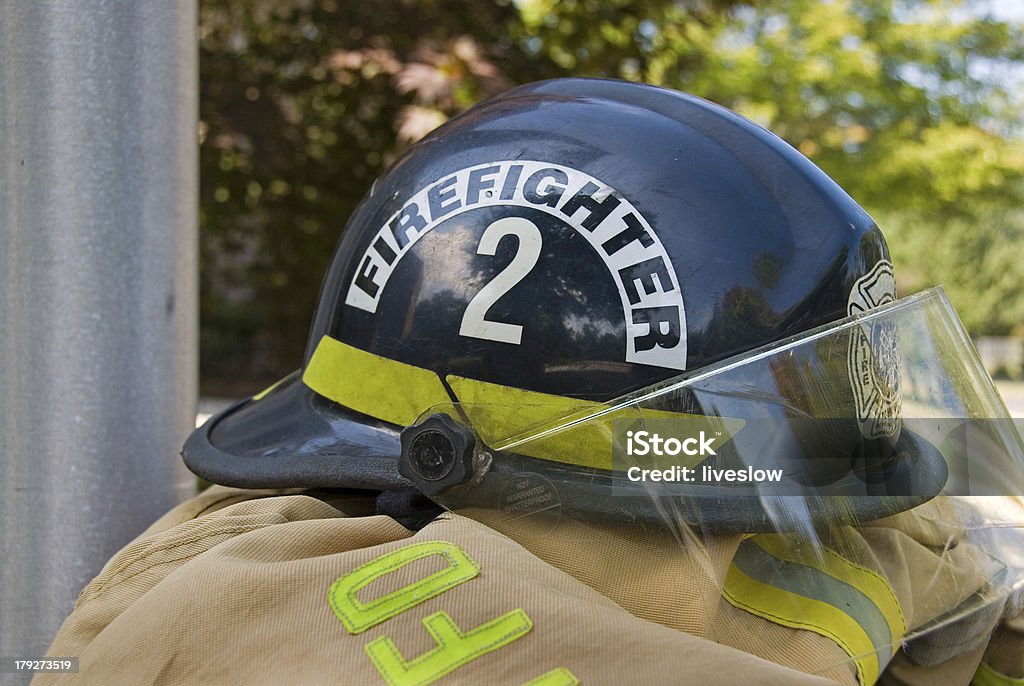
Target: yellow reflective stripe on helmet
point(986, 676)
point(262, 394)
point(831, 596)
point(400, 393)
point(373, 385)
point(489, 408)
point(502, 414)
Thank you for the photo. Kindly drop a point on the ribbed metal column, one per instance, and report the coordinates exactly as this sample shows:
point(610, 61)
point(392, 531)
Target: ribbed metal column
point(98, 295)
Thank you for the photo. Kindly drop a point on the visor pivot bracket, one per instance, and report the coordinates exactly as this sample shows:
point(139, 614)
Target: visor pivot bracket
point(437, 454)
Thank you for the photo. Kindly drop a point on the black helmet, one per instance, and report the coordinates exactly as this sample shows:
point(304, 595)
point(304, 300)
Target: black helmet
point(574, 257)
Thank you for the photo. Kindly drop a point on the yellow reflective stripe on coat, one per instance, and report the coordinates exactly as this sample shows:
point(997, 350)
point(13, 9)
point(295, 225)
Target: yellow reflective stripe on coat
point(829, 595)
point(986, 676)
point(869, 582)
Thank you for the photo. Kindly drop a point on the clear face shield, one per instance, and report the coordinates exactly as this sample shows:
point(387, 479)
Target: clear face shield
point(862, 481)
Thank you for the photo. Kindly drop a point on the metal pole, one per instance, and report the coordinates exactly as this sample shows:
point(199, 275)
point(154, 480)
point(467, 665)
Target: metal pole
point(98, 294)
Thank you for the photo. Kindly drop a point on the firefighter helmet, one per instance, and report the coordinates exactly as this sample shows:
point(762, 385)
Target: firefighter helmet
point(574, 262)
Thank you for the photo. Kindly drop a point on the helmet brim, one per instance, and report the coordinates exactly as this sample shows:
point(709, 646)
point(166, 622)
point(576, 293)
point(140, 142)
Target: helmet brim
point(292, 437)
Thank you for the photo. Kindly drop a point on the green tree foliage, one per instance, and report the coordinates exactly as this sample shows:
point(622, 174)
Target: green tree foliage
point(302, 105)
point(913, 107)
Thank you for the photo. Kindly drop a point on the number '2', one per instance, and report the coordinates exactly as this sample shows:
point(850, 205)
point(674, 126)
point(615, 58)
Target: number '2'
point(474, 321)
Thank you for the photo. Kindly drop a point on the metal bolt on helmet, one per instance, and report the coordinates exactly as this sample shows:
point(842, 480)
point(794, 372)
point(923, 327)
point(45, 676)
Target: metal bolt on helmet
point(578, 262)
point(437, 454)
